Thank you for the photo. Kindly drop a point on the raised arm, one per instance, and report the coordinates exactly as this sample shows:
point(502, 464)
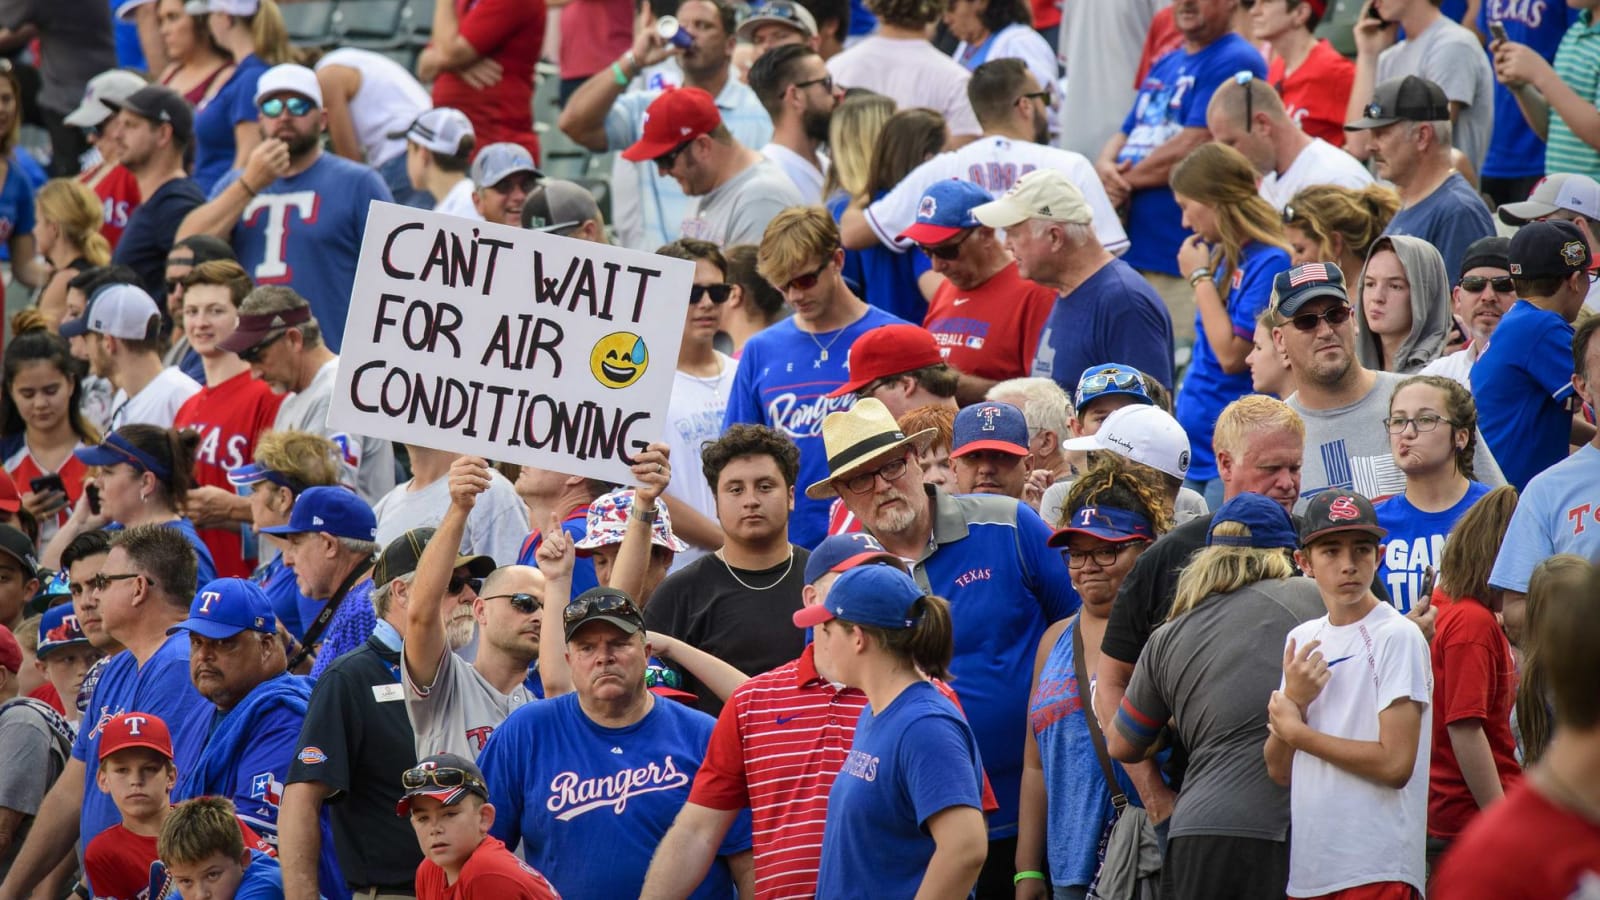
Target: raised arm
point(268, 161)
point(712, 672)
point(555, 557)
point(651, 472)
point(425, 643)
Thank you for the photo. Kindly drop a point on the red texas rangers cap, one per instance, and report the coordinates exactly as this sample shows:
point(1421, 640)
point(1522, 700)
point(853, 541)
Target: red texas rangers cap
point(888, 350)
point(135, 729)
point(676, 117)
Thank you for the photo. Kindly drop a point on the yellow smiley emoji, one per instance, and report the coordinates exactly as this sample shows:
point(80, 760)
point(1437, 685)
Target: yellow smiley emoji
point(619, 359)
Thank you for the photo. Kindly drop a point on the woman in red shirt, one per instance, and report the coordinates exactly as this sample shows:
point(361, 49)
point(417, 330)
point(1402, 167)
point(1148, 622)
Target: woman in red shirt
point(41, 423)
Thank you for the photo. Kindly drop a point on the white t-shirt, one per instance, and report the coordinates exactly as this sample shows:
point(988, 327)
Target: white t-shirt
point(694, 416)
point(369, 461)
point(388, 99)
point(995, 163)
point(1349, 831)
point(458, 202)
point(807, 178)
point(156, 403)
point(457, 713)
point(1456, 366)
point(495, 527)
point(912, 72)
point(1101, 41)
point(1320, 163)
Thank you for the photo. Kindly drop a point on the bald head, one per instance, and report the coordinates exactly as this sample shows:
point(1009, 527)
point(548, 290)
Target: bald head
point(512, 580)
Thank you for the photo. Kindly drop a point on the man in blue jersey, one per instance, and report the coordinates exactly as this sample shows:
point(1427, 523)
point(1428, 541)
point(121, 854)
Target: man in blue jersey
point(987, 556)
point(788, 371)
point(145, 586)
point(295, 214)
point(236, 662)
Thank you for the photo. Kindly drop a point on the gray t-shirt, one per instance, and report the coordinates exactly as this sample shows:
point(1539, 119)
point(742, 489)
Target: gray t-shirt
point(458, 712)
point(495, 528)
point(1451, 57)
point(737, 212)
point(369, 461)
point(75, 44)
point(1348, 447)
point(34, 759)
point(1212, 671)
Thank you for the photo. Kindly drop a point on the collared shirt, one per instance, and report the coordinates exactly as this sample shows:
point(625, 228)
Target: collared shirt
point(1578, 63)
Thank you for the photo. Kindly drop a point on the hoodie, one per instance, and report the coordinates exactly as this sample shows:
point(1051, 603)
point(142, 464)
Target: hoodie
point(1430, 307)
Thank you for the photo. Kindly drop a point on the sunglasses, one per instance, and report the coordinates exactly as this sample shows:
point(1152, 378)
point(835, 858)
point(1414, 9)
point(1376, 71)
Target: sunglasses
point(1335, 317)
point(1474, 284)
point(947, 251)
point(522, 603)
point(1044, 96)
point(1110, 378)
point(102, 581)
point(808, 280)
point(719, 293)
point(457, 584)
point(662, 676)
point(254, 354)
point(297, 106)
point(667, 160)
point(605, 604)
point(447, 777)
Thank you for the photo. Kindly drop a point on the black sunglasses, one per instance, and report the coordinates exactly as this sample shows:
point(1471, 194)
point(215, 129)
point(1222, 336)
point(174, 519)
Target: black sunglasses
point(458, 583)
point(1335, 317)
point(522, 603)
point(1473, 284)
point(604, 604)
point(669, 159)
point(447, 777)
point(947, 251)
point(297, 106)
point(254, 354)
point(101, 581)
point(719, 293)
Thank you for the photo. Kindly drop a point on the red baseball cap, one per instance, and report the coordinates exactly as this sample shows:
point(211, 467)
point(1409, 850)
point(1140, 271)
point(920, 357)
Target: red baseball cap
point(135, 729)
point(10, 500)
point(10, 651)
point(888, 350)
point(678, 116)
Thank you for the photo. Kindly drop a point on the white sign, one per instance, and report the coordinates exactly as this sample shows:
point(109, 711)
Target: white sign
point(514, 345)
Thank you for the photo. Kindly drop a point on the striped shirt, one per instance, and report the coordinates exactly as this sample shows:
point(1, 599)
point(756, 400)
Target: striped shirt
point(1578, 63)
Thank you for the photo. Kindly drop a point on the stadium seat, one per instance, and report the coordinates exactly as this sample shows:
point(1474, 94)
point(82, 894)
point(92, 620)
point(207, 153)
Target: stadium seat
point(310, 22)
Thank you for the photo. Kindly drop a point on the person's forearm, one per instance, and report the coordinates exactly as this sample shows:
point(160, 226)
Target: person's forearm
point(584, 117)
point(854, 232)
point(1514, 615)
point(1579, 115)
point(425, 629)
point(1358, 143)
point(685, 855)
point(1113, 147)
point(1155, 169)
point(689, 524)
point(51, 836)
point(1280, 760)
point(60, 879)
point(1476, 761)
point(554, 673)
point(1147, 780)
point(951, 873)
point(633, 559)
point(154, 49)
point(1229, 349)
point(299, 841)
point(455, 53)
point(1372, 760)
point(1535, 109)
point(719, 677)
point(1032, 815)
point(217, 217)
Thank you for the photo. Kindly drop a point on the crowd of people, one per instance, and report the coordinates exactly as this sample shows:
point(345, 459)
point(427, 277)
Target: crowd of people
point(1118, 448)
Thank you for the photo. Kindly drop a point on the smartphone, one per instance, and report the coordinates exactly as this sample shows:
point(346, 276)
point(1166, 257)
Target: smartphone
point(1372, 13)
point(1498, 30)
point(51, 482)
point(91, 492)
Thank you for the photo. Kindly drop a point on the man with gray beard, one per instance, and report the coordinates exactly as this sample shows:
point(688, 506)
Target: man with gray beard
point(793, 84)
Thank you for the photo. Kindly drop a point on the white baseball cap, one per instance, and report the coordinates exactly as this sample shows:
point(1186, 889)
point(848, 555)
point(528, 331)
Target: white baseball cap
point(295, 79)
point(114, 85)
point(496, 162)
point(1143, 434)
point(231, 7)
point(1564, 190)
point(439, 129)
point(124, 311)
point(1040, 194)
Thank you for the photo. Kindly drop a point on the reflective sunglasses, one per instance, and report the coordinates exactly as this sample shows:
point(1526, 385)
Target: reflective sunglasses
point(447, 777)
point(275, 106)
point(891, 472)
point(808, 280)
point(1473, 284)
point(102, 581)
point(1335, 317)
point(719, 293)
point(947, 251)
point(1108, 379)
point(522, 603)
point(663, 676)
point(457, 584)
point(604, 604)
point(254, 354)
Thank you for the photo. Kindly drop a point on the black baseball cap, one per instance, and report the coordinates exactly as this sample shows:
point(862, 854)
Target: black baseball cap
point(1334, 511)
point(159, 104)
point(445, 777)
point(1554, 248)
point(16, 545)
point(1408, 99)
point(1491, 252)
point(401, 556)
point(202, 248)
point(602, 604)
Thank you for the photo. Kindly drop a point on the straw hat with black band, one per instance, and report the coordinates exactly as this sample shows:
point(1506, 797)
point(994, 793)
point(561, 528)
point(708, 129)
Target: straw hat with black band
point(861, 437)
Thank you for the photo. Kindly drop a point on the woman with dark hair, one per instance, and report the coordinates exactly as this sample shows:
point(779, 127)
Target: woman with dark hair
point(1236, 250)
point(20, 177)
point(197, 67)
point(906, 810)
point(142, 477)
point(41, 422)
point(1002, 29)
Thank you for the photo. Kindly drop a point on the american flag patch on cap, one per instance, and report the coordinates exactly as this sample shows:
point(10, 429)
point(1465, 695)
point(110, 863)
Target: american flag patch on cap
point(1307, 273)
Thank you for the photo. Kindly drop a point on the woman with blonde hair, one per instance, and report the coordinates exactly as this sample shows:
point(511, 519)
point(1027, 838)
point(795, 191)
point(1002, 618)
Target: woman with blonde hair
point(67, 219)
point(1210, 671)
point(1552, 579)
point(225, 127)
point(1328, 223)
point(1230, 261)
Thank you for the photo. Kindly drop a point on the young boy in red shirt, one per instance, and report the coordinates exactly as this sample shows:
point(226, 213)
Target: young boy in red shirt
point(136, 770)
point(448, 802)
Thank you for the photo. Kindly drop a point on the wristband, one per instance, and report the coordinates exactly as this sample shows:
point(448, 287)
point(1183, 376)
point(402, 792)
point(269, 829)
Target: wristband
point(1020, 877)
point(1197, 274)
point(247, 188)
point(618, 76)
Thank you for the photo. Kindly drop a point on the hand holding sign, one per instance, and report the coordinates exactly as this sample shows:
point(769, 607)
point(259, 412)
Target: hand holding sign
point(469, 477)
point(651, 474)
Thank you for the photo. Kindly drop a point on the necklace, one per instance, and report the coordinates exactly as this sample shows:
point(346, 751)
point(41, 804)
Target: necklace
point(769, 587)
point(824, 352)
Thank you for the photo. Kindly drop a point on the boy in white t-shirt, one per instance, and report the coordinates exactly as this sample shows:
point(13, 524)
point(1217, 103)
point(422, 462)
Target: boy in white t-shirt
point(1350, 726)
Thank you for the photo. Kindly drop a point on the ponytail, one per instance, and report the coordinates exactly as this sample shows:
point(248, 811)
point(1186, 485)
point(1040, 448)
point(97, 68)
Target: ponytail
point(928, 644)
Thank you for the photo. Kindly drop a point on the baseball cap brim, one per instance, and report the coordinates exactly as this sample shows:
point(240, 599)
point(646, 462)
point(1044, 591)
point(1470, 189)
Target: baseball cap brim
point(245, 338)
point(645, 150)
point(626, 626)
point(921, 441)
point(929, 233)
point(998, 446)
point(209, 628)
point(1330, 291)
point(1002, 213)
point(49, 647)
point(811, 616)
point(72, 328)
point(1087, 442)
point(99, 455)
point(446, 796)
point(250, 473)
point(1367, 123)
point(747, 29)
point(88, 114)
point(1060, 536)
point(672, 693)
point(1376, 531)
point(136, 744)
point(1525, 211)
point(476, 566)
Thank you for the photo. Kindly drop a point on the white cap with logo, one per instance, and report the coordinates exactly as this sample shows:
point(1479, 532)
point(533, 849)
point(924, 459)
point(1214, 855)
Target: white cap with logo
point(1143, 434)
point(1565, 190)
point(1040, 194)
point(439, 129)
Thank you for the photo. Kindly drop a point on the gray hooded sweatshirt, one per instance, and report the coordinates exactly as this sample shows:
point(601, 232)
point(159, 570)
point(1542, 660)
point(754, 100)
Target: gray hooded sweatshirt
point(1430, 307)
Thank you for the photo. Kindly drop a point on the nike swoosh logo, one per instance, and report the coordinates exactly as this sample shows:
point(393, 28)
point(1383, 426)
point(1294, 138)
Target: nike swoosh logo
point(962, 300)
point(784, 720)
point(1335, 662)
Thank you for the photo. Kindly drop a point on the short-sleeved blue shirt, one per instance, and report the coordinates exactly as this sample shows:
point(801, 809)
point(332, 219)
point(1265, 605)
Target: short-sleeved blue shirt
point(1514, 150)
point(214, 121)
point(1450, 219)
point(1415, 542)
point(16, 203)
point(151, 227)
point(1522, 385)
point(884, 277)
point(1558, 513)
point(1113, 317)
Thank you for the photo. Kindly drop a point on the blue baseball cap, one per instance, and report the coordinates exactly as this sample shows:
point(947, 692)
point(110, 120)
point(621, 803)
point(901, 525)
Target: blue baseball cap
point(1269, 524)
point(59, 628)
point(945, 211)
point(1303, 284)
point(990, 425)
point(839, 552)
point(1108, 379)
point(335, 510)
point(118, 449)
point(227, 606)
point(1108, 523)
point(880, 596)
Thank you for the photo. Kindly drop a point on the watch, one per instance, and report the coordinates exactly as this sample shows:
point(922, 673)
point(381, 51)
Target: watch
point(647, 516)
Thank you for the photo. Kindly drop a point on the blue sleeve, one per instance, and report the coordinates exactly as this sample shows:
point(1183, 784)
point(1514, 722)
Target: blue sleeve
point(744, 402)
point(262, 769)
point(1526, 543)
point(1550, 363)
point(920, 264)
point(1045, 571)
point(25, 220)
point(243, 108)
point(1145, 342)
point(937, 762)
point(1242, 58)
point(1247, 302)
point(502, 767)
point(376, 190)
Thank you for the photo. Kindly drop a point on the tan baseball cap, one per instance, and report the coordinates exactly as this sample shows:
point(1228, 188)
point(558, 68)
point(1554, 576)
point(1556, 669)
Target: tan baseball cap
point(1040, 194)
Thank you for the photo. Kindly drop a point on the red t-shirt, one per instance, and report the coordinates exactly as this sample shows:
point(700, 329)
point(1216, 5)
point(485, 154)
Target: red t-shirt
point(1162, 38)
point(23, 469)
point(841, 520)
point(593, 34)
point(1474, 677)
point(47, 693)
point(511, 32)
point(229, 416)
point(992, 330)
point(1316, 93)
point(117, 861)
point(491, 873)
point(118, 191)
point(1522, 848)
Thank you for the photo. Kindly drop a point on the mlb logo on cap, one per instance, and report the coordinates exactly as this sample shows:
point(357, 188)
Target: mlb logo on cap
point(990, 425)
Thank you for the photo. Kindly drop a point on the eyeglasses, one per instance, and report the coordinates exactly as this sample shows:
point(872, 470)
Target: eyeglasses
point(890, 472)
point(719, 293)
point(1335, 317)
point(667, 160)
point(809, 280)
point(254, 354)
point(948, 250)
point(605, 604)
point(1474, 284)
point(1243, 80)
point(522, 603)
point(102, 581)
point(447, 777)
point(826, 82)
point(1423, 423)
point(1043, 96)
point(663, 676)
point(297, 106)
point(1103, 556)
point(457, 584)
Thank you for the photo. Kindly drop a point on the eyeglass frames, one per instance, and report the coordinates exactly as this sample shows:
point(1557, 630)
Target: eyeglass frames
point(1423, 423)
point(1335, 317)
point(947, 251)
point(296, 106)
point(1474, 284)
point(890, 472)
